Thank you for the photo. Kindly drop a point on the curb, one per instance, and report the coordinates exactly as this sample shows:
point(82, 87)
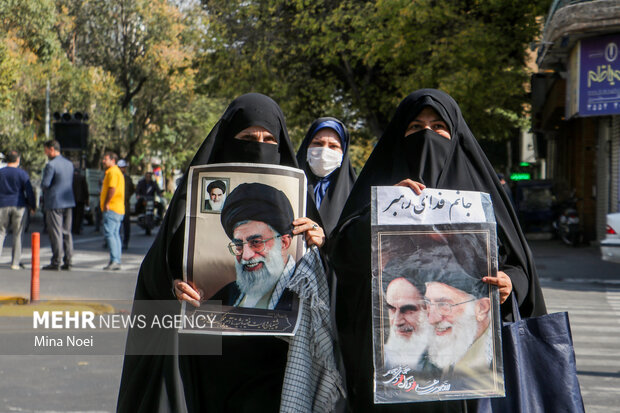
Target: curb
point(15, 306)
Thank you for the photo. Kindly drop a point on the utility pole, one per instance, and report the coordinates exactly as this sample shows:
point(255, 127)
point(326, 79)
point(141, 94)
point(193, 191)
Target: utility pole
point(47, 110)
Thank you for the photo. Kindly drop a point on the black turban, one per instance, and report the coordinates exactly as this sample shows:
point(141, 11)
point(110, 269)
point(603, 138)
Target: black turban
point(257, 202)
point(216, 184)
point(454, 276)
point(408, 267)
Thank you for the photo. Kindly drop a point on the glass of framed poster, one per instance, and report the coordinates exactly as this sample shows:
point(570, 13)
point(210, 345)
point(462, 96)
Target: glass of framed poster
point(436, 325)
point(239, 249)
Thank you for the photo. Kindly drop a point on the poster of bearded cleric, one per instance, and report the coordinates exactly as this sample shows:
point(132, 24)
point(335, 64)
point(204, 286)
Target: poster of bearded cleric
point(239, 248)
point(436, 325)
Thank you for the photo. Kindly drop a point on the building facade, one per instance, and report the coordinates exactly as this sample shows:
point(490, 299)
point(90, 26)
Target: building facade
point(576, 107)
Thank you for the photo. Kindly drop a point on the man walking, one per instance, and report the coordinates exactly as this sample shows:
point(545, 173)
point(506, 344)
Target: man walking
point(80, 193)
point(57, 185)
point(129, 190)
point(15, 195)
point(112, 203)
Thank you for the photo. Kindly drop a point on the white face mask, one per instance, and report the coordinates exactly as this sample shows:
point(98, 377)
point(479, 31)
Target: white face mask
point(323, 161)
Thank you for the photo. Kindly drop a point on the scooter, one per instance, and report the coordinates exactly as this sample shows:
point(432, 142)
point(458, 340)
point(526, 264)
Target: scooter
point(148, 218)
point(567, 224)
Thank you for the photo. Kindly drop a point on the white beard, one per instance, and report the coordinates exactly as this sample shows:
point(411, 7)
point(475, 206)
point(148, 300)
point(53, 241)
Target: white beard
point(255, 284)
point(445, 351)
point(402, 351)
point(216, 206)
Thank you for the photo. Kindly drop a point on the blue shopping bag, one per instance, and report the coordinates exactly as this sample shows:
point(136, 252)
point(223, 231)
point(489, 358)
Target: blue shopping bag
point(540, 373)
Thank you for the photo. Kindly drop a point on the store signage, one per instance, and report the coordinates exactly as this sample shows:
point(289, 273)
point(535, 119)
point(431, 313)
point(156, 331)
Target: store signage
point(599, 76)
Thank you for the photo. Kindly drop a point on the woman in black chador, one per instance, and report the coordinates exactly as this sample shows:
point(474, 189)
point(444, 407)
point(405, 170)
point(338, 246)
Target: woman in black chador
point(426, 144)
point(324, 156)
point(249, 374)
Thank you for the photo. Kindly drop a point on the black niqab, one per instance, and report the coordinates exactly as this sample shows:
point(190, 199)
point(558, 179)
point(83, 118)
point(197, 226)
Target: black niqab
point(341, 180)
point(250, 369)
point(463, 165)
point(458, 163)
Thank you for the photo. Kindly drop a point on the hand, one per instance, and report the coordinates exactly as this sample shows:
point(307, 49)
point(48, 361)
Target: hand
point(312, 231)
point(106, 207)
point(416, 187)
point(185, 292)
point(503, 282)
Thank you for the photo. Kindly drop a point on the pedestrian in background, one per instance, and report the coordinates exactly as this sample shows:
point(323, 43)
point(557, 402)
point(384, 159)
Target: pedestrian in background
point(146, 189)
point(97, 209)
point(129, 190)
point(57, 185)
point(15, 196)
point(80, 193)
point(112, 203)
point(506, 188)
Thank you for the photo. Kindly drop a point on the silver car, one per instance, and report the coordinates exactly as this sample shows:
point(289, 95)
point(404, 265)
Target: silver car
point(610, 245)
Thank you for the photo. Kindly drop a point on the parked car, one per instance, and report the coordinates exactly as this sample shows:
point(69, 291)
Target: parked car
point(535, 201)
point(610, 245)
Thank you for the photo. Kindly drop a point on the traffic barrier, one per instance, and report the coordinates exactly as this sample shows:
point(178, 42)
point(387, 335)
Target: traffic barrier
point(34, 279)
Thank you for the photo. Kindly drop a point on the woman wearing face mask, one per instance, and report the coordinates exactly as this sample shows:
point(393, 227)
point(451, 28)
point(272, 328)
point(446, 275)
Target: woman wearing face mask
point(426, 144)
point(324, 156)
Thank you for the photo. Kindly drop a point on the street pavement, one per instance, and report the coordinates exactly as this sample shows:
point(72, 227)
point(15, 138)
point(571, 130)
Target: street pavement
point(50, 384)
point(578, 281)
point(573, 279)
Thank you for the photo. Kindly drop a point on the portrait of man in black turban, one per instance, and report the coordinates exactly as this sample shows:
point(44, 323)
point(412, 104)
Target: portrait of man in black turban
point(214, 195)
point(257, 218)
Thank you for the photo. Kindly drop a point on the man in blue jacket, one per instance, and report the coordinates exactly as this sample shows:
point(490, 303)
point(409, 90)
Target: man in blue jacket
point(57, 185)
point(15, 195)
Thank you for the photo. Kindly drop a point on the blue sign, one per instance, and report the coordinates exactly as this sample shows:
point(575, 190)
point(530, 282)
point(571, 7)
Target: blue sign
point(599, 77)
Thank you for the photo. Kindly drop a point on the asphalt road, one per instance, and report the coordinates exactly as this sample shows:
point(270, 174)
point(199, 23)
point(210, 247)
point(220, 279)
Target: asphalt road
point(574, 280)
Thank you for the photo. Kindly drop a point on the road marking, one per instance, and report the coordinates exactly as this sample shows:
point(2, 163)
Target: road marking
point(582, 280)
point(613, 298)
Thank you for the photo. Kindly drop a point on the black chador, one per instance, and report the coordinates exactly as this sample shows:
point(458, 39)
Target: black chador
point(248, 375)
point(457, 163)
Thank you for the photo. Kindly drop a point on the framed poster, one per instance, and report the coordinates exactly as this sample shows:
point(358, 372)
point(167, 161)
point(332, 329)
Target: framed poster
point(239, 249)
point(436, 325)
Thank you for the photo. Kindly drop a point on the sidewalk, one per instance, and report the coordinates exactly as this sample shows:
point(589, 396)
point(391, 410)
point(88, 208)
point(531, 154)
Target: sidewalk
point(556, 261)
point(87, 279)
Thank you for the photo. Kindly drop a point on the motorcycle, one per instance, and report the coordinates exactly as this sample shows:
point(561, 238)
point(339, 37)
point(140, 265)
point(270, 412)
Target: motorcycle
point(567, 225)
point(149, 215)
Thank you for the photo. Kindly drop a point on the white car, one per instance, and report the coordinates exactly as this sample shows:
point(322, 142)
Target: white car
point(610, 245)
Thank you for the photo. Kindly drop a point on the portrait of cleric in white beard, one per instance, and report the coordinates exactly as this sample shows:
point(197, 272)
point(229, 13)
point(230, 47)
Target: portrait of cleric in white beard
point(439, 320)
point(257, 218)
point(460, 341)
point(214, 195)
point(408, 321)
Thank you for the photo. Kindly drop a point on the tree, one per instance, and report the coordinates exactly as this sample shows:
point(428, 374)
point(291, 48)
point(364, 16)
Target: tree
point(147, 47)
point(27, 46)
point(358, 59)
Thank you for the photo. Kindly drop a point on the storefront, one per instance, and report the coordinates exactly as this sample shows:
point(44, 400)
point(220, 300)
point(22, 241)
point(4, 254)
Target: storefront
point(576, 108)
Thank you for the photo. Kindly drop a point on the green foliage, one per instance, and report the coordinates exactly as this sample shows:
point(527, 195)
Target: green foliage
point(32, 22)
point(357, 60)
point(155, 75)
point(127, 63)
